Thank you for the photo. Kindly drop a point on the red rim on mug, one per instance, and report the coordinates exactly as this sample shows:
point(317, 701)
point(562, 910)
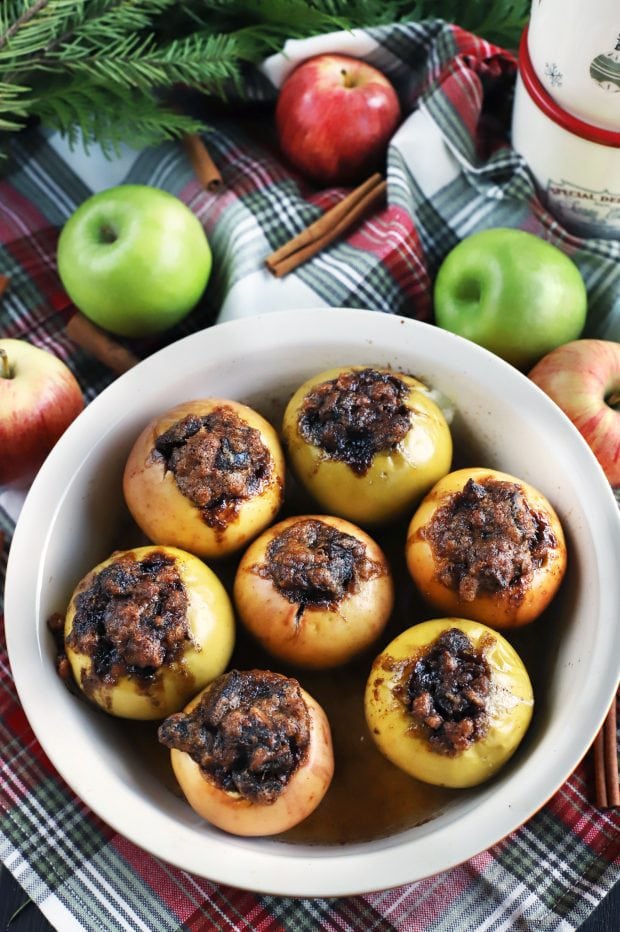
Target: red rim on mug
point(550, 108)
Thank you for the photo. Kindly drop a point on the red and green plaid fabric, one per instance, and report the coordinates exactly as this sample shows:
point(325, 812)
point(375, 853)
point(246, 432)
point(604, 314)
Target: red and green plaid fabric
point(450, 171)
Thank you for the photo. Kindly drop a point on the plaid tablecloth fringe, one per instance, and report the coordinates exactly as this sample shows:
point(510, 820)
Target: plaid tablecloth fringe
point(450, 171)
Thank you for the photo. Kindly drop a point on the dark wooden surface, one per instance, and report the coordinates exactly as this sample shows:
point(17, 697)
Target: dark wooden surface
point(606, 918)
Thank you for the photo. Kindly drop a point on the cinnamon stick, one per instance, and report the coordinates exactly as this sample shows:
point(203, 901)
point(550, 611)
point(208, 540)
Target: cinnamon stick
point(611, 757)
point(5, 281)
point(204, 167)
point(327, 228)
point(100, 344)
point(600, 782)
point(605, 749)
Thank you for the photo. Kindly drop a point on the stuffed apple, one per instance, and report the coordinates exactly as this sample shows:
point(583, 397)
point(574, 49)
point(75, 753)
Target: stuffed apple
point(206, 476)
point(448, 701)
point(486, 545)
point(314, 590)
point(367, 443)
point(252, 752)
point(146, 629)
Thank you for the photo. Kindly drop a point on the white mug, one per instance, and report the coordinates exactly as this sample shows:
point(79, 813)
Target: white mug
point(574, 47)
point(576, 165)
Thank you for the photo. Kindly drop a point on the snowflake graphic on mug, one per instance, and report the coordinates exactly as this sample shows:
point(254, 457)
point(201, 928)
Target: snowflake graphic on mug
point(553, 73)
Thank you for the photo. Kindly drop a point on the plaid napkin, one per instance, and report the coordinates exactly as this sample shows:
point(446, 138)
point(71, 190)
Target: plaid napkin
point(450, 171)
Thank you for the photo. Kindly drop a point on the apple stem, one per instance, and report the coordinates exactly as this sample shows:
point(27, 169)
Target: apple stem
point(5, 367)
point(347, 79)
point(108, 233)
point(613, 400)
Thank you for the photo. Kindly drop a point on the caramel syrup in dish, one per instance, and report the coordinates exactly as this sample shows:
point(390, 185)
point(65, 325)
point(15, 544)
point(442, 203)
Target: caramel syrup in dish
point(369, 797)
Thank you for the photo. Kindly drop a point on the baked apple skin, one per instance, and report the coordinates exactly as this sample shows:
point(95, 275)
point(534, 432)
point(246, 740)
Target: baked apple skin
point(509, 606)
point(396, 478)
point(406, 743)
point(166, 515)
point(314, 633)
point(204, 656)
point(233, 813)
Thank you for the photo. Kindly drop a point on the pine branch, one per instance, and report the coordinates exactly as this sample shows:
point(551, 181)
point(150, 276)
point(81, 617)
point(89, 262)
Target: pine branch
point(139, 62)
point(504, 29)
point(109, 117)
point(290, 18)
point(21, 21)
point(499, 21)
point(68, 23)
point(14, 107)
point(36, 28)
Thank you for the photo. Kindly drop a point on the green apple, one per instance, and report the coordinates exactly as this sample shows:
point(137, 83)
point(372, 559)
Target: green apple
point(134, 259)
point(511, 292)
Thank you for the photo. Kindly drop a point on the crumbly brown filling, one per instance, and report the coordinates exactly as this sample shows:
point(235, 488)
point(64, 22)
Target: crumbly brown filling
point(132, 619)
point(218, 462)
point(355, 416)
point(313, 563)
point(487, 539)
point(249, 733)
point(447, 693)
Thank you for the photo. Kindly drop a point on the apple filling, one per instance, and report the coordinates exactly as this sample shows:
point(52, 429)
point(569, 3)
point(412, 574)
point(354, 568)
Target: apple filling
point(486, 538)
point(132, 620)
point(447, 693)
point(355, 416)
point(249, 733)
point(217, 461)
point(313, 563)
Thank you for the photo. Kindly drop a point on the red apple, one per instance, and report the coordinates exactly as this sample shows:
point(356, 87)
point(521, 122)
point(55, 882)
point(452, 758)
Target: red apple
point(335, 115)
point(583, 378)
point(39, 397)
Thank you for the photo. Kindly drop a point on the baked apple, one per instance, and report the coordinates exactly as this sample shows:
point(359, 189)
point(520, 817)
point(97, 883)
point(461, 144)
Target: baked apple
point(146, 629)
point(314, 590)
point(367, 443)
point(206, 476)
point(488, 546)
point(448, 701)
point(252, 752)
